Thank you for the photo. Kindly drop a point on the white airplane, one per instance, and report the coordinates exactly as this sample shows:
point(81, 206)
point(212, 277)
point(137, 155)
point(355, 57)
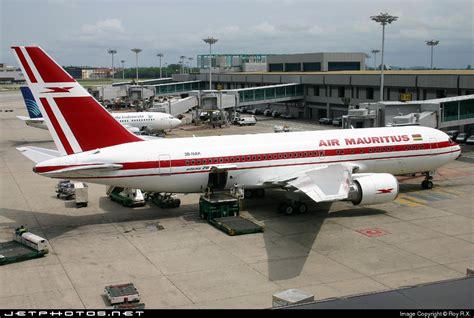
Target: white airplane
point(354, 165)
point(135, 122)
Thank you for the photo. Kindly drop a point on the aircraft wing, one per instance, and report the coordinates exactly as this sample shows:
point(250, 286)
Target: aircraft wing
point(37, 154)
point(322, 183)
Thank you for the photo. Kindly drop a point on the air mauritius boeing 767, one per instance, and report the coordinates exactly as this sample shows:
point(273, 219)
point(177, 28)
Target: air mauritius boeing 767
point(356, 165)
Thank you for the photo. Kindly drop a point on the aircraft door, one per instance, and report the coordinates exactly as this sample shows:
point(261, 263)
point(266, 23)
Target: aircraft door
point(164, 164)
point(217, 179)
point(433, 145)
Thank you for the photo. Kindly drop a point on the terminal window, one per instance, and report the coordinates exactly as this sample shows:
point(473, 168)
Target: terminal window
point(343, 66)
point(311, 67)
point(275, 67)
point(370, 93)
point(292, 67)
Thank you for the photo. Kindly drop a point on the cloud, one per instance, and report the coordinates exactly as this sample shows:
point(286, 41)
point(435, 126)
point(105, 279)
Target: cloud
point(106, 32)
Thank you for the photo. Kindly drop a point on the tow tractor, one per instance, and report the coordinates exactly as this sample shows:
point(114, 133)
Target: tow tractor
point(68, 190)
point(164, 200)
point(126, 196)
point(25, 245)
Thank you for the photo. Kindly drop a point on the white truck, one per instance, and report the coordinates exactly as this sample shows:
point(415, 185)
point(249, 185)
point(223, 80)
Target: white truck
point(248, 120)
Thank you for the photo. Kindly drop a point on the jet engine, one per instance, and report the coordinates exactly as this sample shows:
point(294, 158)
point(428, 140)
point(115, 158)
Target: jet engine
point(375, 188)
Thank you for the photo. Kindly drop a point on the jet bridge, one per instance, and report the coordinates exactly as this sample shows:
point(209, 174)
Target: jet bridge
point(268, 94)
point(177, 87)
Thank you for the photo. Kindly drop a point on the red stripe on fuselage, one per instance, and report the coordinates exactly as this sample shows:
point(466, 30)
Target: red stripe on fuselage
point(92, 126)
point(182, 162)
point(50, 72)
point(25, 64)
point(57, 126)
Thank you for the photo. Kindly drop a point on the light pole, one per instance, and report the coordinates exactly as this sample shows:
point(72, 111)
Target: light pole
point(190, 59)
point(210, 41)
point(375, 58)
point(123, 69)
point(383, 19)
point(112, 52)
point(136, 51)
point(182, 58)
point(432, 43)
point(160, 55)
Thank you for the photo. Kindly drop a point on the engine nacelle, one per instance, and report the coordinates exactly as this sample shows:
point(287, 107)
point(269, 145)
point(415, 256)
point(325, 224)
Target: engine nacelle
point(374, 188)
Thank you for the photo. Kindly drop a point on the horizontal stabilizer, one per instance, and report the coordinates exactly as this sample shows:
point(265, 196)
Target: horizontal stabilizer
point(31, 120)
point(37, 154)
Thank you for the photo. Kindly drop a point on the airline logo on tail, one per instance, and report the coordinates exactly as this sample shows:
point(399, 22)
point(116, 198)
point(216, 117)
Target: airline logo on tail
point(30, 102)
point(74, 118)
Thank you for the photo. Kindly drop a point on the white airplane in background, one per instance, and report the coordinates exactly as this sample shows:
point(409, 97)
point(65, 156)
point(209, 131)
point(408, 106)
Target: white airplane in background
point(354, 165)
point(135, 122)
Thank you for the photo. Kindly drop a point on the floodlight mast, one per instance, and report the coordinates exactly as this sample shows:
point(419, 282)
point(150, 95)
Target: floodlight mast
point(160, 55)
point(432, 44)
point(383, 19)
point(136, 51)
point(375, 58)
point(210, 41)
point(112, 52)
point(123, 69)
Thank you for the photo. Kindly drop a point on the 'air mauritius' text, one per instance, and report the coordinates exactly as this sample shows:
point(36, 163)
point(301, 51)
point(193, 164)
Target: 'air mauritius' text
point(364, 140)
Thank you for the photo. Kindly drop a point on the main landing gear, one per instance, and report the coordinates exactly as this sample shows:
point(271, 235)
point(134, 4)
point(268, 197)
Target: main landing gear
point(291, 207)
point(428, 183)
point(254, 193)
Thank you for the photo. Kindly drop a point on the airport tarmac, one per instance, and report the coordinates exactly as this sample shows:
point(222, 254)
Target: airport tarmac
point(177, 260)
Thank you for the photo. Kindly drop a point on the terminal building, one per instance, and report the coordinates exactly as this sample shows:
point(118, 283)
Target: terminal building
point(329, 94)
point(10, 74)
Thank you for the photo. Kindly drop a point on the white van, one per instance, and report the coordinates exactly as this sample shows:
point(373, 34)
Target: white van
point(248, 120)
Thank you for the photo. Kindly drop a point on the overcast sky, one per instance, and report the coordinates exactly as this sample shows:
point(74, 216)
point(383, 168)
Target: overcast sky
point(79, 32)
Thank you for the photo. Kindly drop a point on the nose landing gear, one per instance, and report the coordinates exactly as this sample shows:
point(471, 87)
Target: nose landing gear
point(428, 183)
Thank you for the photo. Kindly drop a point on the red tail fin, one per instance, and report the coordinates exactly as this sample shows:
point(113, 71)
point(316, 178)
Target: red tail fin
point(75, 119)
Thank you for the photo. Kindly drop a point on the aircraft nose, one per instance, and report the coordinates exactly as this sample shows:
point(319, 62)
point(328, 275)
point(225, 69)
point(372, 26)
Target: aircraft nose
point(176, 122)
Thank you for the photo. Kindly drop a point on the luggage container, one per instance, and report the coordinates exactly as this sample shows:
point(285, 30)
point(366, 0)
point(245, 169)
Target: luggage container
point(81, 194)
point(122, 294)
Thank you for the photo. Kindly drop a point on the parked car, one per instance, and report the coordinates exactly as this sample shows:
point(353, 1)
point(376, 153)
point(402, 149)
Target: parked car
point(247, 120)
point(461, 138)
point(470, 140)
point(256, 111)
point(275, 113)
point(337, 121)
point(287, 116)
point(325, 121)
point(267, 112)
point(452, 134)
